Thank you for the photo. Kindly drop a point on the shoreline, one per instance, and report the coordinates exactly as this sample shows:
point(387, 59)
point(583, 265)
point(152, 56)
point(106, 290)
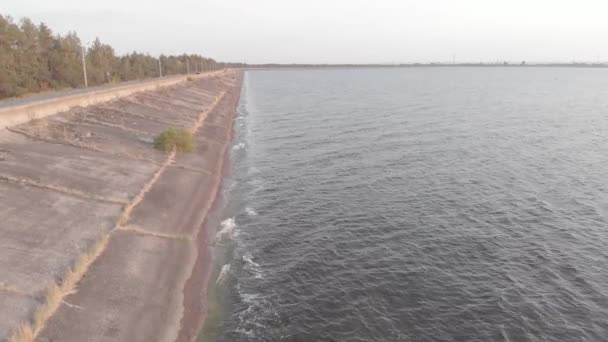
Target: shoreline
point(197, 285)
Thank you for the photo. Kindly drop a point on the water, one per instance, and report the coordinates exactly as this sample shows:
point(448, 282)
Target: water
point(420, 204)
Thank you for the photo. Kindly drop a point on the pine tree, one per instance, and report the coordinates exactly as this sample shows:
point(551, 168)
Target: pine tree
point(33, 59)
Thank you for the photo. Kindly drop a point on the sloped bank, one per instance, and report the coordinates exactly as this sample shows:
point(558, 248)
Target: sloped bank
point(26, 110)
point(115, 235)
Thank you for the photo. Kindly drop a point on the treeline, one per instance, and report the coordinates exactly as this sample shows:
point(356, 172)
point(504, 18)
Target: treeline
point(34, 59)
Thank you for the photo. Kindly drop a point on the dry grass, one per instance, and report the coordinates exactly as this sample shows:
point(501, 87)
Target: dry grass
point(139, 230)
point(39, 126)
point(57, 292)
point(126, 214)
point(23, 334)
point(52, 300)
point(203, 115)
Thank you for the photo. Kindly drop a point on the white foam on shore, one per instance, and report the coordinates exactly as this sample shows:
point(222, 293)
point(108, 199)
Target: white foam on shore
point(225, 271)
point(238, 146)
point(250, 211)
point(227, 231)
point(252, 266)
point(249, 259)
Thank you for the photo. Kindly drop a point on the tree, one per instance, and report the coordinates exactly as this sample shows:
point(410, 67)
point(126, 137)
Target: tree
point(9, 37)
point(100, 63)
point(46, 42)
point(34, 59)
point(66, 62)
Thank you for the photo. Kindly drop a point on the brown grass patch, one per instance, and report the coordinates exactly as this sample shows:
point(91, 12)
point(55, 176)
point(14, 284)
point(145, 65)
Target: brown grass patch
point(57, 292)
point(203, 115)
point(39, 126)
point(139, 230)
point(126, 214)
point(23, 334)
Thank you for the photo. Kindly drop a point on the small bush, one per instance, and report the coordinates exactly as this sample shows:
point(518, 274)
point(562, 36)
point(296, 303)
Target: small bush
point(179, 139)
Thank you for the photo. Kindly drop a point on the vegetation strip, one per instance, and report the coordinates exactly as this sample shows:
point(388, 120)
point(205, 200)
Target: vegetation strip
point(203, 115)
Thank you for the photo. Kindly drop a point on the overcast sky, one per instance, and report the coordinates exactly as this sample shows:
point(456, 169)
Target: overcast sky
point(337, 31)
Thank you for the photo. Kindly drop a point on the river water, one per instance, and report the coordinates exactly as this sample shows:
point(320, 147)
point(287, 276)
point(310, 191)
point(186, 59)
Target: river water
point(417, 204)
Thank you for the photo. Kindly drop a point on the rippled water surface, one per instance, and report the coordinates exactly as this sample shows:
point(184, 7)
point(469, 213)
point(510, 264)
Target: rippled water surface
point(421, 204)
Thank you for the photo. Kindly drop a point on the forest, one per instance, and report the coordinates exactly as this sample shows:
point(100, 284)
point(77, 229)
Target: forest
point(33, 59)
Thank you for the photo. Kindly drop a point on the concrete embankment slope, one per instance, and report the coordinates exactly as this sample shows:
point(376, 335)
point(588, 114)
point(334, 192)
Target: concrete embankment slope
point(100, 232)
point(23, 110)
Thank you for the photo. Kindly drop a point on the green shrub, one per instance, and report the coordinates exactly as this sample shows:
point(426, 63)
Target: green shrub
point(179, 139)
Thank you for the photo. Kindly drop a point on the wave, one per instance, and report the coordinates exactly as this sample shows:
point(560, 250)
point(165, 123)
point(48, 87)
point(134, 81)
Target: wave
point(248, 298)
point(238, 146)
point(253, 319)
point(224, 273)
point(250, 211)
point(252, 266)
point(248, 258)
point(227, 231)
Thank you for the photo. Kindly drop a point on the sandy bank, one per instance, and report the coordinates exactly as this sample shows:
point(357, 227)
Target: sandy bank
point(86, 178)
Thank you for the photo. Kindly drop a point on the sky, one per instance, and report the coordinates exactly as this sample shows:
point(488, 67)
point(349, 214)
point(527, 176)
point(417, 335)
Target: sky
point(337, 31)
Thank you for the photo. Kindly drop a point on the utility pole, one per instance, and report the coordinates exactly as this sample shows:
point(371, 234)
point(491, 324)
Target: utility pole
point(160, 69)
point(187, 66)
point(84, 69)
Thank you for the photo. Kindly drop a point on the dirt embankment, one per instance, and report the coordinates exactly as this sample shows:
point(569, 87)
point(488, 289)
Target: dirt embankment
point(101, 236)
